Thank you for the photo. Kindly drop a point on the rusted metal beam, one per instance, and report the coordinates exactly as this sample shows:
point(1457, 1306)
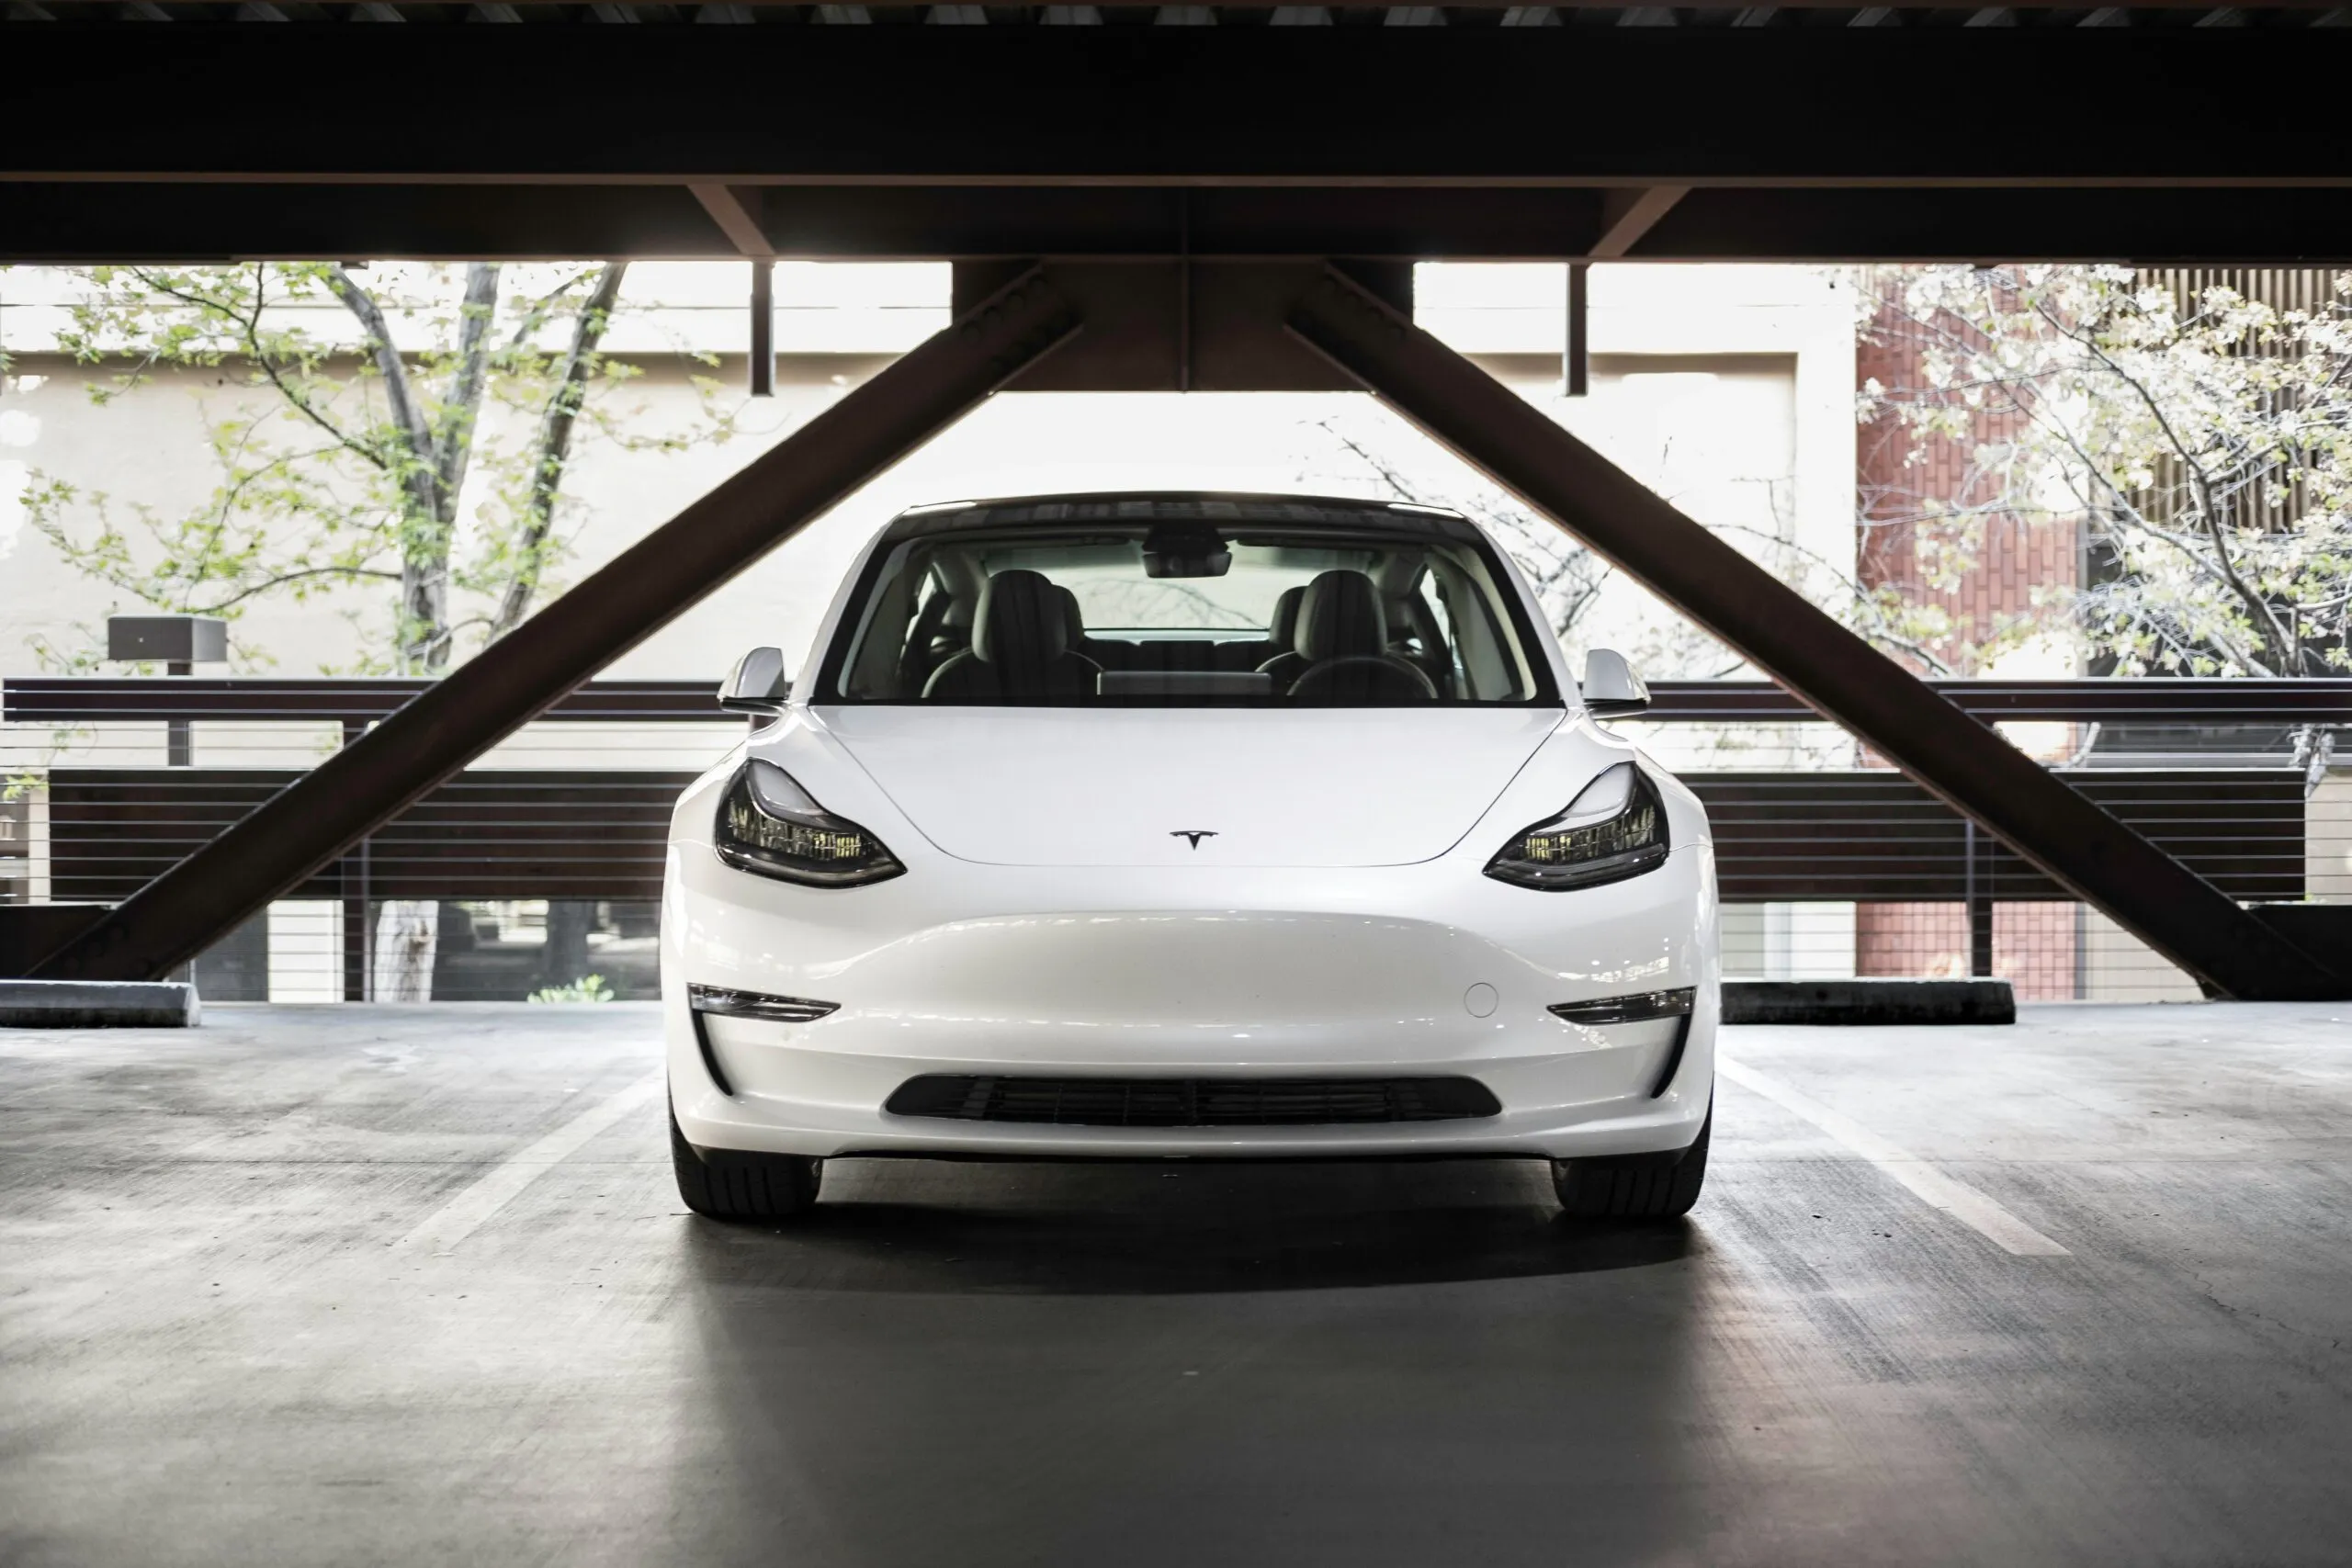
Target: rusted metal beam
point(69, 223)
point(2081, 847)
point(1628, 214)
point(1206, 106)
point(1576, 363)
point(737, 214)
point(763, 378)
point(480, 703)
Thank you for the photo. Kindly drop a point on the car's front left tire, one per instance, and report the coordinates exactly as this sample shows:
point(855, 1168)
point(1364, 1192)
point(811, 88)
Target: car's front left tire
point(1634, 1186)
point(734, 1184)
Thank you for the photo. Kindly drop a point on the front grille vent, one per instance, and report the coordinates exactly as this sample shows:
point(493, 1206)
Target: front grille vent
point(1193, 1102)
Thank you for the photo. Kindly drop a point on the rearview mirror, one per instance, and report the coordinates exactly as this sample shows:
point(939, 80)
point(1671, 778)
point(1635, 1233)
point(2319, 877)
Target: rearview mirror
point(1611, 687)
point(760, 682)
point(1175, 551)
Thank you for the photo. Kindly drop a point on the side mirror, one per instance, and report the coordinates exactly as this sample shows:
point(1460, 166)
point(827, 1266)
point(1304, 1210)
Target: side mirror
point(760, 683)
point(1611, 687)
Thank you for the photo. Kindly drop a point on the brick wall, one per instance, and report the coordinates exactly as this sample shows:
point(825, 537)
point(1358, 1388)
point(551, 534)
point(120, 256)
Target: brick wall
point(2034, 945)
point(2013, 555)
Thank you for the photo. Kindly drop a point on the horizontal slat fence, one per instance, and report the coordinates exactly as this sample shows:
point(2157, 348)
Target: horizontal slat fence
point(1877, 836)
point(483, 835)
point(545, 858)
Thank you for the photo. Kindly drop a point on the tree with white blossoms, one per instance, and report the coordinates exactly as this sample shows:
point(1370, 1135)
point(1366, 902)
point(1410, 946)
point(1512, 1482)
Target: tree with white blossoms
point(2202, 439)
point(1572, 581)
point(1567, 575)
point(419, 453)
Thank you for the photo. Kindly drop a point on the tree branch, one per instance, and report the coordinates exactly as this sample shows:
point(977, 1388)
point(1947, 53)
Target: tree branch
point(417, 476)
point(453, 439)
point(553, 449)
point(282, 579)
point(249, 334)
point(2274, 635)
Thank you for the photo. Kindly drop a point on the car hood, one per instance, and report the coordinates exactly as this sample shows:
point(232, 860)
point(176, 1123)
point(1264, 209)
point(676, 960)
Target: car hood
point(1318, 787)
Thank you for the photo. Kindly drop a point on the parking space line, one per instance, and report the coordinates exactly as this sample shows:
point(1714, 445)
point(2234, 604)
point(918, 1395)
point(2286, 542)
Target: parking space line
point(1930, 1186)
point(504, 1182)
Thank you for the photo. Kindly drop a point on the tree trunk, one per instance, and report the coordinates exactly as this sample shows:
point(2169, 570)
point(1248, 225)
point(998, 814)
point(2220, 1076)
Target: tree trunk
point(437, 457)
point(408, 931)
point(565, 958)
point(408, 934)
point(553, 450)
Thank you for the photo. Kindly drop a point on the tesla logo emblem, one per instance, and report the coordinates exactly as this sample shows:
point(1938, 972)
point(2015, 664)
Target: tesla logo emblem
point(1193, 835)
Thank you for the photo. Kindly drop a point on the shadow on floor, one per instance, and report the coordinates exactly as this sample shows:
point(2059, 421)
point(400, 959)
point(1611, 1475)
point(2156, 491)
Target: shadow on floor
point(1036, 1228)
point(985, 1365)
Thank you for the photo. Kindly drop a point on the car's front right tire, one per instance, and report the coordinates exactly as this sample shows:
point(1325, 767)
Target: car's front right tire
point(734, 1184)
point(1634, 1186)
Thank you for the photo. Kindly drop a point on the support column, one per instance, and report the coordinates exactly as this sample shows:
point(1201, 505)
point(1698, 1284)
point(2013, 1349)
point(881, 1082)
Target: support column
point(1964, 762)
point(358, 930)
point(763, 327)
point(359, 789)
point(1575, 364)
point(1980, 902)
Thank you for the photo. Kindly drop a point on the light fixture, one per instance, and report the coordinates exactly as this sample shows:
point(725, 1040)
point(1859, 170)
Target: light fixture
point(1632, 1009)
point(1614, 828)
point(727, 1003)
point(769, 825)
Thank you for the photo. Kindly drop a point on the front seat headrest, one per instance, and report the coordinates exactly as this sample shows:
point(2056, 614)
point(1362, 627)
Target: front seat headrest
point(1340, 616)
point(1021, 623)
point(1283, 630)
point(1073, 621)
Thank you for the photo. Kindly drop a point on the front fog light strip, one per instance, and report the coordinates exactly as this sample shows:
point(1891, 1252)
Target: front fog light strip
point(757, 1004)
point(1627, 1009)
point(719, 1001)
point(1639, 1008)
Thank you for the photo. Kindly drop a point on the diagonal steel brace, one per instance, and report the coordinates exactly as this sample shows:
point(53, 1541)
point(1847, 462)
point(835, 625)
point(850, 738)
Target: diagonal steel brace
point(361, 787)
point(1964, 762)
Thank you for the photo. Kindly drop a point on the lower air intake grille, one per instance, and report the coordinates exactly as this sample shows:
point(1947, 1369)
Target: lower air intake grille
point(1193, 1102)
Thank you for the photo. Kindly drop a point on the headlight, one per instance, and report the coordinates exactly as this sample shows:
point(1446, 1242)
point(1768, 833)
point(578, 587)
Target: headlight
point(769, 825)
point(1614, 829)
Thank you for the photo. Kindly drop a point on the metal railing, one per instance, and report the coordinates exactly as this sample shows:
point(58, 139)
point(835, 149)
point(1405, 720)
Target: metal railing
point(544, 860)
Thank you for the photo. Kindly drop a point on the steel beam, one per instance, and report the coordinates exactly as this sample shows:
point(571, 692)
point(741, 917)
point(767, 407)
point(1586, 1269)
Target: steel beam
point(1329, 105)
point(1969, 766)
point(1628, 214)
point(70, 223)
point(1575, 362)
point(480, 703)
point(737, 214)
point(763, 378)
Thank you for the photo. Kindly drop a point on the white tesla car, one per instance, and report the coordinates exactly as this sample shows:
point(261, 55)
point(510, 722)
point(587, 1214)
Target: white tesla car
point(1188, 827)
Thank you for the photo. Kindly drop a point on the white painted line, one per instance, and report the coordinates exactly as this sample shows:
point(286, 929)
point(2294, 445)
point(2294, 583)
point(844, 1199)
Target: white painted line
point(1930, 1186)
point(465, 1214)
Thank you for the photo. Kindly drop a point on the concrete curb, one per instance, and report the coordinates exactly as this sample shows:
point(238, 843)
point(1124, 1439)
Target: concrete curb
point(1869, 1002)
point(98, 1004)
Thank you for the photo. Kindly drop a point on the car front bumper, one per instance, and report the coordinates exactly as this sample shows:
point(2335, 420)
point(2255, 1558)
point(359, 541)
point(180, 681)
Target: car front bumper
point(1227, 973)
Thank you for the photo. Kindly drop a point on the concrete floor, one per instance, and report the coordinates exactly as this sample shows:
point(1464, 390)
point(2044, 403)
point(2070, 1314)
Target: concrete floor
point(279, 1290)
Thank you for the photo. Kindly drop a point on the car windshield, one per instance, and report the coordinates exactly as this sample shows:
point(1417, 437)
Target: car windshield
point(1185, 614)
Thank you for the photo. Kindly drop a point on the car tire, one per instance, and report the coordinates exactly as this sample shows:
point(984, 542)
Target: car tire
point(1634, 1186)
point(735, 1184)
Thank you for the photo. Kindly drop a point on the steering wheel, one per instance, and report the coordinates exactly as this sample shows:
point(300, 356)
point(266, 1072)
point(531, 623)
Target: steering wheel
point(1324, 669)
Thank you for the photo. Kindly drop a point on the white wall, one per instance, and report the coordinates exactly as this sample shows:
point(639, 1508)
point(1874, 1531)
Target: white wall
point(1763, 427)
